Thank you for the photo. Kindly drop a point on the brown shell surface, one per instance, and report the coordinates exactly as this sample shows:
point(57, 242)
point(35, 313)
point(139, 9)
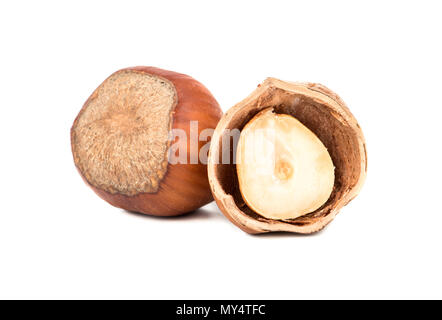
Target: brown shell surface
point(185, 187)
point(323, 112)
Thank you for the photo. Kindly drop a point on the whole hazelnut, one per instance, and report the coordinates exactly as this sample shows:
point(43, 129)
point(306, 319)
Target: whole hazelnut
point(123, 137)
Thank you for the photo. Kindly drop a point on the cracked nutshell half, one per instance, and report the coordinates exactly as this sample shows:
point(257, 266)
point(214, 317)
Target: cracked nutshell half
point(121, 141)
point(299, 158)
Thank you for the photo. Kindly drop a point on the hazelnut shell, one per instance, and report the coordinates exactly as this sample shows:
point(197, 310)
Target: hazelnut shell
point(325, 114)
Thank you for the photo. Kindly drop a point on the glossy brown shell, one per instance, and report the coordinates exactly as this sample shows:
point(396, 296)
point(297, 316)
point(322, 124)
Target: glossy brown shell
point(184, 187)
point(323, 112)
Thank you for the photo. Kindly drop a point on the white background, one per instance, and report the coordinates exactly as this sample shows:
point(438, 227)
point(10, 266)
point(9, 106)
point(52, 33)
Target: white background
point(59, 240)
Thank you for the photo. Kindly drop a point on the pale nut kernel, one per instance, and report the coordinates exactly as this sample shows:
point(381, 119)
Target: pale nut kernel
point(284, 170)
